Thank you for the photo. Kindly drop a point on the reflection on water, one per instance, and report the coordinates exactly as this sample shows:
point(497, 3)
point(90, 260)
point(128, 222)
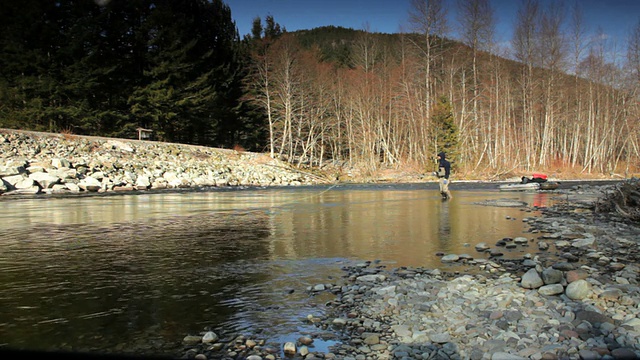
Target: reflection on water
point(136, 273)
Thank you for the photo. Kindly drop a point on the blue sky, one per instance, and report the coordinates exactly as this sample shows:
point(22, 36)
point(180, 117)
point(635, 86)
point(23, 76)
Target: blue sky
point(615, 17)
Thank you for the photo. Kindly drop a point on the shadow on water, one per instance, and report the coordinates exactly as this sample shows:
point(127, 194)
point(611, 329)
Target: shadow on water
point(136, 273)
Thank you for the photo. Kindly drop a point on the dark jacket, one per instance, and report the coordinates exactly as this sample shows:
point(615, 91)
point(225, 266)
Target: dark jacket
point(444, 164)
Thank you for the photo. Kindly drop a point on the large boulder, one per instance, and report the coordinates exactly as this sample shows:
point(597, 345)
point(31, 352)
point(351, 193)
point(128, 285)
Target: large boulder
point(45, 180)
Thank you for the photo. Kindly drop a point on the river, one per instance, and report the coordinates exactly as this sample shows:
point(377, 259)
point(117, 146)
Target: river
point(136, 273)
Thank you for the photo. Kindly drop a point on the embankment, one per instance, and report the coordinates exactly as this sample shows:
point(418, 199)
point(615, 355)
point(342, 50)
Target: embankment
point(45, 163)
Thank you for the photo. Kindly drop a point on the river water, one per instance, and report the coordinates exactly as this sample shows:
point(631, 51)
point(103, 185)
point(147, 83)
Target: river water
point(136, 273)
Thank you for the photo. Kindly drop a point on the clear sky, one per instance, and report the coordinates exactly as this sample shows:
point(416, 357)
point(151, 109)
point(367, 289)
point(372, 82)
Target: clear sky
point(615, 17)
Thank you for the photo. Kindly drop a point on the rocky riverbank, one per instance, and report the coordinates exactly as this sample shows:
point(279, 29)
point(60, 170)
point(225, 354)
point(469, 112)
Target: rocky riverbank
point(43, 163)
point(574, 295)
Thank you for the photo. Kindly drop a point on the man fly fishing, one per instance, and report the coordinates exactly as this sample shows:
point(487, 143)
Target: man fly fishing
point(444, 170)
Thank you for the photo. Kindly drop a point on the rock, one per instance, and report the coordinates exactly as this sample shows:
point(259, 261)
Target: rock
point(402, 330)
point(191, 339)
point(304, 351)
point(289, 348)
point(450, 258)
point(18, 182)
point(440, 338)
point(593, 317)
point(482, 247)
point(60, 163)
point(339, 322)
point(90, 183)
point(12, 168)
point(583, 243)
point(578, 290)
point(616, 266)
point(210, 337)
point(548, 290)
point(564, 266)
point(611, 294)
point(589, 355)
point(633, 324)
point(624, 353)
point(143, 182)
point(552, 276)
point(495, 252)
point(72, 187)
point(574, 275)
point(372, 339)
point(531, 280)
point(371, 278)
point(521, 240)
point(506, 356)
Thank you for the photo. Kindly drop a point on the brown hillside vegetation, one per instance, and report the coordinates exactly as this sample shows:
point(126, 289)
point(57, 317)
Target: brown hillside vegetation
point(367, 100)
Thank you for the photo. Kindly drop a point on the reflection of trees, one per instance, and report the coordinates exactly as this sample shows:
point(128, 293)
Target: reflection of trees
point(356, 223)
point(404, 226)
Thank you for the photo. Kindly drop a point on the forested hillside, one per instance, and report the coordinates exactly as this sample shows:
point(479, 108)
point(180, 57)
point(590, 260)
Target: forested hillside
point(107, 67)
point(327, 95)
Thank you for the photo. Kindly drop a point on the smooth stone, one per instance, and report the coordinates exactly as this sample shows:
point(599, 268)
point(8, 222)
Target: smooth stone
point(531, 279)
point(210, 337)
point(578, 290)
point(450, 258)
point(549, 290)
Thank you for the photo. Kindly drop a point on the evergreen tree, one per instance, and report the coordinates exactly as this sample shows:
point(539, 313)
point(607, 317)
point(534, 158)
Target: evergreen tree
point(29, 43)
point(445, 134)
point(272, 28)
point(67, 65)
point(256, 28)
point(173, 66)
point(190, 87)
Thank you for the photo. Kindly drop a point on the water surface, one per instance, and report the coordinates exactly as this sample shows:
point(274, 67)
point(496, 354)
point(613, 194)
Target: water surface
point(136, 273)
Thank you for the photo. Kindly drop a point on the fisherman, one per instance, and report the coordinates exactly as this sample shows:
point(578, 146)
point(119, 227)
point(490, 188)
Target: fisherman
point(444, 170)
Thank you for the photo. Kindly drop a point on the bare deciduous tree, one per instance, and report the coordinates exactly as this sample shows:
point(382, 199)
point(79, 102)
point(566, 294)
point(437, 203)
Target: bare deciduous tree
point(477, 28)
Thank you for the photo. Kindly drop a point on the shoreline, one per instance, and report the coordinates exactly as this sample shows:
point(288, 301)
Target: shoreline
point(582, 306)
point(37, 163)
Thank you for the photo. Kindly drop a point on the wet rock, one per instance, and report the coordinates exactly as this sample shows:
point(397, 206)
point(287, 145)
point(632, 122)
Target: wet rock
point(450, 258)
point(482, 247)
point(289, 348)
point(521, 240)
point(191, 339)
point(209, 337)
point(495, 252)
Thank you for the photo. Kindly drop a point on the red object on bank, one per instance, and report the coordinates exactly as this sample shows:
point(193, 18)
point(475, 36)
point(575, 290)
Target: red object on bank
point(539, 176)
